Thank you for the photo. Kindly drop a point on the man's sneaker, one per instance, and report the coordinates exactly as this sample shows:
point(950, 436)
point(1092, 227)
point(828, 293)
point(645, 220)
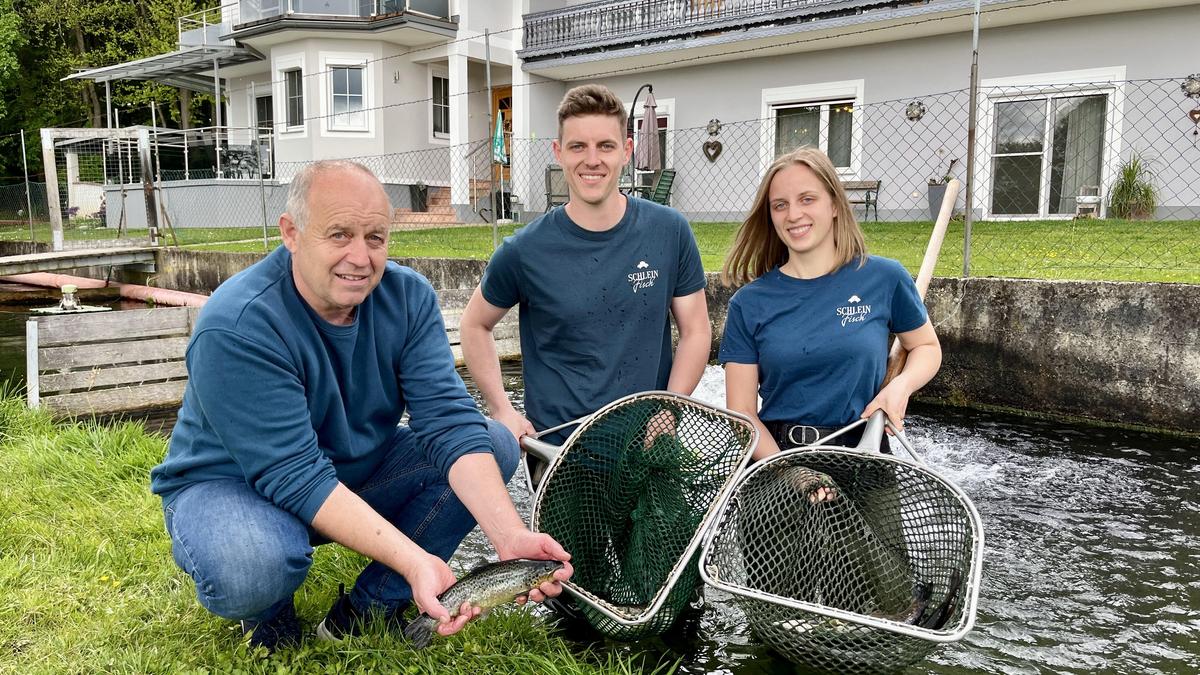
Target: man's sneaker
point(279, 632)
point(343, 620)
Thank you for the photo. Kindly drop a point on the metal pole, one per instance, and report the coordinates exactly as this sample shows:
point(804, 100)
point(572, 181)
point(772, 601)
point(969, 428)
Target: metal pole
point(108, 119)
point(262, 189)
point(28, 201)
point(217, 113)
point(972, 113)
point(487, 55)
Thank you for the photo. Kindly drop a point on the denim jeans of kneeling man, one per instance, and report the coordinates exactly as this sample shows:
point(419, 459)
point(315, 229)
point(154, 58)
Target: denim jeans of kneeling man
point(248, 556)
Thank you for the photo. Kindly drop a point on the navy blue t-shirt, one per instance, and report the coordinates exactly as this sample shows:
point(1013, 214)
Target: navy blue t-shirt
point(594, 306)
point(821, 344)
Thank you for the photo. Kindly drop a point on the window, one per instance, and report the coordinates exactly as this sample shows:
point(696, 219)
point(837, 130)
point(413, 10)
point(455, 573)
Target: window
point(825, 125)
point(348, 100)
point(1038, 167)
point(264, 114)
point(294, 95)
point(1047, 138)
point(440, 110)
point(820, 115)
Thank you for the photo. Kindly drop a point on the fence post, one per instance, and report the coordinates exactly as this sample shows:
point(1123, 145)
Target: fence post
point(147, 170)
point(258, 157)
point(972, 112)
point(52, 205)
point(28, 201)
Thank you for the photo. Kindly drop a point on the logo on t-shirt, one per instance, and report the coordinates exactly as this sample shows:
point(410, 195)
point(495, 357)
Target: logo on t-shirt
point(854, 312)
point(643, 278)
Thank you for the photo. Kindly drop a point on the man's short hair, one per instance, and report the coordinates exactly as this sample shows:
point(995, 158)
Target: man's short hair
point(298, 191)
point(591, 99)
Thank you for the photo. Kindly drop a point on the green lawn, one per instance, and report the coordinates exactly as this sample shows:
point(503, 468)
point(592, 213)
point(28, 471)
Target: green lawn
point(87, 584)
point(1115, 250)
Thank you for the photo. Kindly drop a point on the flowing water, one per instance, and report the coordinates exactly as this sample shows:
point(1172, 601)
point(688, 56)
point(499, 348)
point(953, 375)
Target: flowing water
point(1092, 559)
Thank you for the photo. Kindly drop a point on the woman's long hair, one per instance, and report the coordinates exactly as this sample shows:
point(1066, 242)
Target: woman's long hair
point(757, 249)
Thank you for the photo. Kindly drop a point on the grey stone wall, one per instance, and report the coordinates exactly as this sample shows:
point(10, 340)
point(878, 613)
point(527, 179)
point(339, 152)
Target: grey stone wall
point(1114, 352)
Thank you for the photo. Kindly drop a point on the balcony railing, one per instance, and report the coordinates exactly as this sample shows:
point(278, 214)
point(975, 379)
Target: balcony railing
point(599, 23)
point(257, 10)
point(204, 27)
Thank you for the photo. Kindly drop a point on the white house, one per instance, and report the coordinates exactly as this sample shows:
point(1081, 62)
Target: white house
point(1068, 90)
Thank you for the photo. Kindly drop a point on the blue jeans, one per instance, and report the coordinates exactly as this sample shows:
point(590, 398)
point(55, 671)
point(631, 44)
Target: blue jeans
point(248, 556)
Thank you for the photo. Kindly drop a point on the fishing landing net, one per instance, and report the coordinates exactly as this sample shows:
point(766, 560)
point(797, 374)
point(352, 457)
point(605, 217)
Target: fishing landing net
point(847, 561)
point(630, 495)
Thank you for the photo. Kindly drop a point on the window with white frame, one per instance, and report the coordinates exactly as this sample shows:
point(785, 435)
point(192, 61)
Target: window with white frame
point(294, 97)
point(348, 100)
point(439, 102)
point(828, 125)
point(821, 115)
point(1046, 139)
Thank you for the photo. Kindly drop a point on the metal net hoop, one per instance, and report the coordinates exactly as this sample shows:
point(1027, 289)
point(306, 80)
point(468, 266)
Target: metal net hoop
point(631, 495)
point(872, 580)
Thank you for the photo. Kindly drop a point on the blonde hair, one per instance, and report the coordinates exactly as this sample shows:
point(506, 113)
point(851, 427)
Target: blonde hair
point(757, 249)
point(591, 99)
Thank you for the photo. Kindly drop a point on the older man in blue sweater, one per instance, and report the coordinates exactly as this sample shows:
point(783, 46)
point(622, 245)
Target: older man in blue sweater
point(300, 368)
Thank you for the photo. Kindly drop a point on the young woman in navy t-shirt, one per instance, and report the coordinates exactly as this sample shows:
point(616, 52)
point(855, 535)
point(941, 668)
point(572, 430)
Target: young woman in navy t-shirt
point(808, 332)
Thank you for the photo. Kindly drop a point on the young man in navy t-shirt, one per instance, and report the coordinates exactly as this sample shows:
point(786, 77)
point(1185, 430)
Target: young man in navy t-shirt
point(597, 281)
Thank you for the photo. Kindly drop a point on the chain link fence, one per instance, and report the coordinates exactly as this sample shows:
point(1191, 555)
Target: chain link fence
point(1097, 180)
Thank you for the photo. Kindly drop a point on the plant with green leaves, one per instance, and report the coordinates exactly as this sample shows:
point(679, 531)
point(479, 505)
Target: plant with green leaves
point(1133, 195)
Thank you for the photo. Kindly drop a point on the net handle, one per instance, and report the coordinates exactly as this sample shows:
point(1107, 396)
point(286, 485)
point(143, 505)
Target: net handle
point(872, 436)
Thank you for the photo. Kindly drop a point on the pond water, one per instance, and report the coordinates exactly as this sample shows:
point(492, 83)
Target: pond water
point(1092, 559)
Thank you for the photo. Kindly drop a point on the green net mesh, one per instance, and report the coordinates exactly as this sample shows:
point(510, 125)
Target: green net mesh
point(888, 545)
point(628, 497)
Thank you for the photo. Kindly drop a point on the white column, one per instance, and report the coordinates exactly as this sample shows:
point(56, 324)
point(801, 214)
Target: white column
point(460, 163)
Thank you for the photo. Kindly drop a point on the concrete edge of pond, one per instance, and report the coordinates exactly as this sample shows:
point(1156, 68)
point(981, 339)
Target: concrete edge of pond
point(1123, 354)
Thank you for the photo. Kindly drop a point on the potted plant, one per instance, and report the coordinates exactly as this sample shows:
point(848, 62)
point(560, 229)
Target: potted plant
point(1133, 196)
point(937, 188)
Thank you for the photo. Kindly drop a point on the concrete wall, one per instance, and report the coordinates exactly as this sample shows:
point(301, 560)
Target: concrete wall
point(1114, 352)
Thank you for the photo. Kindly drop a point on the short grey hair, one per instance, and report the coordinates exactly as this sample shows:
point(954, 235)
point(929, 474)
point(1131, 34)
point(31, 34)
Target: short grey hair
point(298, 191)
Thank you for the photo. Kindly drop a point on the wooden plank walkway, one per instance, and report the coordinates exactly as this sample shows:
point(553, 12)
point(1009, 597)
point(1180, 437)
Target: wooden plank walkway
point(62, 260)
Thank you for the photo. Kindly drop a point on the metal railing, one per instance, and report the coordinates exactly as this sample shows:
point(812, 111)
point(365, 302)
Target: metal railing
point(596, 23)
point(202, 28)
point(258, 10)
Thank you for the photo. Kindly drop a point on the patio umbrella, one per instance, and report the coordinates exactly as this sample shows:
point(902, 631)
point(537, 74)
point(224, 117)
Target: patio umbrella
point(646, 154)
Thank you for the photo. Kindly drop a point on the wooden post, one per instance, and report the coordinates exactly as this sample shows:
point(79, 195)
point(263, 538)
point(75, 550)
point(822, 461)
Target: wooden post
point(148, 184)
point(52, 205)
point(32, 391)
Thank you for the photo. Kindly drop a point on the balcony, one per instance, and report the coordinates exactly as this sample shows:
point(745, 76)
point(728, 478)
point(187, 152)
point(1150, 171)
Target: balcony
point(252, 11)
point(203, 28)
point(604, 25)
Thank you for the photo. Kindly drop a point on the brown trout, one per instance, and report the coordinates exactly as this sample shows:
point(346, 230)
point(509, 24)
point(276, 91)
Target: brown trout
point(486, 586)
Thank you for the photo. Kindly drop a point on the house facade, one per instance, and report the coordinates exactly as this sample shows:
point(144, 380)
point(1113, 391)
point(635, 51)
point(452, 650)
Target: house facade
point(1068, 91)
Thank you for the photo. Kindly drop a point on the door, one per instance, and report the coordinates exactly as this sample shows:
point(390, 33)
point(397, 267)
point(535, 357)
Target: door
point(502, 104)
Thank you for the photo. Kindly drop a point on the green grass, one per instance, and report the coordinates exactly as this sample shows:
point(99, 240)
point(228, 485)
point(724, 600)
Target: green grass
point(87, 583)
point(1113, 250)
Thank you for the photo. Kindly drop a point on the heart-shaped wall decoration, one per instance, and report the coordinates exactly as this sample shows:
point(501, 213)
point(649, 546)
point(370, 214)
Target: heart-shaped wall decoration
point(712, 150)
point(1195, 115)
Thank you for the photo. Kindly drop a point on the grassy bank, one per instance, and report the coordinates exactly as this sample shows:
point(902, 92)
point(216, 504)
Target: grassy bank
point(87, 583)
point(1112, 250)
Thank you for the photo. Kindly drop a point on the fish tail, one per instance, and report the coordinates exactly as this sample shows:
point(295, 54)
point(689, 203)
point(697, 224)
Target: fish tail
point(420, 631)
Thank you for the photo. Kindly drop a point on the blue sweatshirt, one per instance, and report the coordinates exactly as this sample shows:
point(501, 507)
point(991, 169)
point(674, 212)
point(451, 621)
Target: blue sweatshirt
point(292, 404)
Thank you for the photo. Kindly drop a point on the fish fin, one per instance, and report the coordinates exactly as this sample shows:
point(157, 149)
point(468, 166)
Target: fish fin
point(420, 631)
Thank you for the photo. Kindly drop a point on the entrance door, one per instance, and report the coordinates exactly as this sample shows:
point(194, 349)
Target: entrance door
point(502, 103)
